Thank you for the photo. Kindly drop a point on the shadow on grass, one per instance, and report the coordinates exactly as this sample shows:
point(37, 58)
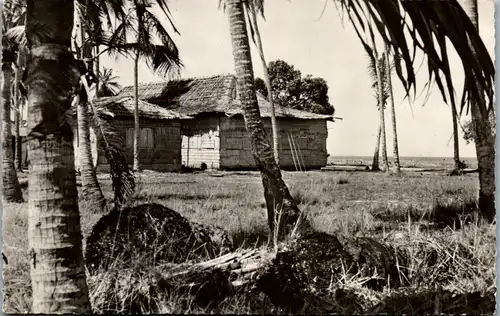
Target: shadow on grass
point(455, 214)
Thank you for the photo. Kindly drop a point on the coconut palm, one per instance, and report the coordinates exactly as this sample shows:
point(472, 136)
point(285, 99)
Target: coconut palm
point(482, 120)
point(91, 190)
point(253, 8)
point(54, 233)
point(141, 23)
point(427, 25)
point(376, 154)
point(122, 179)
point(388, 74)
point(276, 193)
point(11, 16)
point(18, 108)
point(108, 84)
point(377, 71)
point(11, 188)
point(15, 16)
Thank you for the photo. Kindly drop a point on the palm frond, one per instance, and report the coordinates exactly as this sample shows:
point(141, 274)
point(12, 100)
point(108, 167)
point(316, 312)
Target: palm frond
point(108, 85)
point(166, 11)
point(16, 36)
point(156, 26)
point(165, 61)
point(425, 25)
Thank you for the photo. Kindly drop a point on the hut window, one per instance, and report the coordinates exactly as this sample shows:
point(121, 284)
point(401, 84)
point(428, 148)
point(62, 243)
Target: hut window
point(146, 138)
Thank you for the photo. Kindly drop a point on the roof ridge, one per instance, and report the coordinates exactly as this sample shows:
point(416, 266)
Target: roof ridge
point(182, 79)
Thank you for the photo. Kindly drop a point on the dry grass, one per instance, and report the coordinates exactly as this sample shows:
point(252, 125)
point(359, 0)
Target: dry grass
point(431, 218)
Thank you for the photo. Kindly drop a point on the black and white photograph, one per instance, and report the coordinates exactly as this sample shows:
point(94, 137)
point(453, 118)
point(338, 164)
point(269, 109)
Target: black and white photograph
point(248, 157)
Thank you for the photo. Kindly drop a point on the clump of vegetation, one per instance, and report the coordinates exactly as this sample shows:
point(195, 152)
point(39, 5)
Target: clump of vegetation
point(342, 181)
point(148, 233)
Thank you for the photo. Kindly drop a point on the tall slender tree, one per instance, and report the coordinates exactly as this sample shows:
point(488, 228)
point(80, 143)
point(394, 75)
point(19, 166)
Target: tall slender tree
point(377, 71)
point(143, 25)
point(390, 92)
point(276, 192)
point(254, 7)
point(91, 190)
point(484, 141)
point(380, 73)
point(54, 233)
point(11, 17)
point(376, 154)
point(11, 188)
point(19, 101)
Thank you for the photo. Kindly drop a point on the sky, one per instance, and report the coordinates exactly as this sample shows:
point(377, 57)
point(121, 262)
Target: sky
point(322, 46)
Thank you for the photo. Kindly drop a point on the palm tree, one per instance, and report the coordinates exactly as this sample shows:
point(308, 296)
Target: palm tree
point(377, 71)
point(381, 93)
point(484, 134)
point(375, 162)
point(15, 16)
point(19, 100)
point(141, 22)
point(253, 7)
point(276, 193)
point(108, 84)
point(91, 189)
point(388, 73)
point(405, 24)
point(11, 187)
point(54, 233)
point(91, 16)
point(91, 12)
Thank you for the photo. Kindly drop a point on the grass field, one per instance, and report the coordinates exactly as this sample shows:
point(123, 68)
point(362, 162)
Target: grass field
point(414, 211)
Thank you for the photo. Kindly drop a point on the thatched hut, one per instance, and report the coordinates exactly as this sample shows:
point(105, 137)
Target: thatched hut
point(160, 133)
point(216, 137)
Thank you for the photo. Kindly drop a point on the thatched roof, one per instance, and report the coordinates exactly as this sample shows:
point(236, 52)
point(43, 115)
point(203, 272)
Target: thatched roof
point(207, 95)
point(123, 106)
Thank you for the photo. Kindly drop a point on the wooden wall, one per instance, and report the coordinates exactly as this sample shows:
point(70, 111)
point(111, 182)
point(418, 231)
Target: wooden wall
point(309, 136)
point(160, 148)
point(201, 142)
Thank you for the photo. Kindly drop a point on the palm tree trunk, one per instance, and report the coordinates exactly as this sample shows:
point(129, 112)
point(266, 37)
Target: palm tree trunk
point(274, 122)
point(456, 146)
point(97, 70)
point(17, 118)
point(18, 153)
point(393, 112)
point(136, 166)
point(276, 192)
point(375, 164)
point(55, 238)
point(484, 141)
point(381, 103)
point(11, 188)
point(90, 186)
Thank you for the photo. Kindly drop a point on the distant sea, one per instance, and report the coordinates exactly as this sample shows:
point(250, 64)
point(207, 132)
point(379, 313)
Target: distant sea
point(406, 162)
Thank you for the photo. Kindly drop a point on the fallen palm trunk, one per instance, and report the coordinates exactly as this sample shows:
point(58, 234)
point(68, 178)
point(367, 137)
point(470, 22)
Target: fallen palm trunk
point(240, 267)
